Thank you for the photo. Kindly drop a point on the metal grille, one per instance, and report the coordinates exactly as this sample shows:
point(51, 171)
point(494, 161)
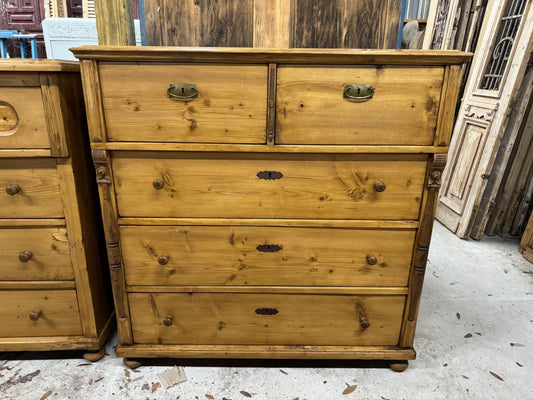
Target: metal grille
point(509, 24)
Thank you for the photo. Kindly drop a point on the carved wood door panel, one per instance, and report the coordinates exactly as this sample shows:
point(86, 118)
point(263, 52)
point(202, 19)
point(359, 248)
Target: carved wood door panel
point(496, 73)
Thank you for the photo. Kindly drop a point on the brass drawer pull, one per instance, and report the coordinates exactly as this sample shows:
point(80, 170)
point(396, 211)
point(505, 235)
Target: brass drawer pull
point(269, 248)
point(163, 259)
point(12, 189)
point(25, 256)
point(35, 315)
point(169, 319)
point(266, 311)
point(379, 187)
point(269, 175)
point(182, 91)
point(371, 259)
point(158, 184)
point(358, 91)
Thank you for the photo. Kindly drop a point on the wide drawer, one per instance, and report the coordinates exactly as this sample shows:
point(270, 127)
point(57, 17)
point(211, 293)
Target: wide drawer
point(230, 107)
point(311, 108)
point(35, 253)
point(236, 318)
point(29, 188)
point(245, 255)
point(269, 185)
point(22, 119)
point(39, 313)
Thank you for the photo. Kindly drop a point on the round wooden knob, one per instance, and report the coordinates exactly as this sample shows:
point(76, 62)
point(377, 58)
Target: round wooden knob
point(371, 259)
point(12, 189)
point(35, 315)
point(364, 323)
point(379, 186)
point(163, 259)
point(169, 319)
point(25, 256)
point(158, 184)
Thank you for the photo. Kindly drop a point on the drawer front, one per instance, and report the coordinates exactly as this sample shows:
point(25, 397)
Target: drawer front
point(230, 107)
point(35, 254)
point(243, 255)
point(39, 313)
point(22, 119)
point(290, 319)
point(29, 188)
point(311, 108)
point(269, 185)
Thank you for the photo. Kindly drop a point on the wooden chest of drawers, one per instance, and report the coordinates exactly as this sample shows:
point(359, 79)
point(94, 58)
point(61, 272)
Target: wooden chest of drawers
point(268, 203)
point(54, 285)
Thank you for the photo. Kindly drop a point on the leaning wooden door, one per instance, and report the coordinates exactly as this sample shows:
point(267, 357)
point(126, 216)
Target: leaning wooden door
point(497, 71)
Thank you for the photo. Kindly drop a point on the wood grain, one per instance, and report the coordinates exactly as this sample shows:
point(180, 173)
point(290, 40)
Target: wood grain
point(217, 185)
point(271, 23)
point(93, 101)
point(232, 319)
point(114, 22)
point(38, 65)
point(403, 110)
point(19, 79)
point(50, 254)
point(230, 107)
point(230, 256)
point(54, 111)
point(448, 105)
point(333, 290)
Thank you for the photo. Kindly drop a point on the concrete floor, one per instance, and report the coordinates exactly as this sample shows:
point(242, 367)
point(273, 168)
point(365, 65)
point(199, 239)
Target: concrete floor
point(474, 341)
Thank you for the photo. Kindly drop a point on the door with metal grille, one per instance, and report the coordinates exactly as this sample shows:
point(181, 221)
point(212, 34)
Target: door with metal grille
point(493, 85)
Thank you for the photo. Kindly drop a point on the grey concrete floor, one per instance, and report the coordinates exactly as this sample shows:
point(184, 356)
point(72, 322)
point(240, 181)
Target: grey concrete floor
point(474, 341)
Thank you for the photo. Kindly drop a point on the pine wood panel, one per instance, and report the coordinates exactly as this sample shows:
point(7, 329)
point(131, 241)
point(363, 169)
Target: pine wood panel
point(230, 107)
point(59, 313)
point(403, 111)
point(49, 247)
point(232, 255)
point(39, 195)
point(236, 319)
point(22, 118)
point(318, 186)
point(114, 22)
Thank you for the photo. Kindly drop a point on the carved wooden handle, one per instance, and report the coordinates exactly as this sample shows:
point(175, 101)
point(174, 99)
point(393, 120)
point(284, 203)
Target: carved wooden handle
point(12, 189)
point(35, 315)
point(169, 319)
point(158, 184)
point(379, 186)
point(25, 256)
point(371, 259)
point(163, 259)
point(364, 323)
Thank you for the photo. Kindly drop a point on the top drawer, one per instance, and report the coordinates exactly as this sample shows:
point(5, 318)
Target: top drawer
point(230, 106)
point(312, 109)
point(22, 119)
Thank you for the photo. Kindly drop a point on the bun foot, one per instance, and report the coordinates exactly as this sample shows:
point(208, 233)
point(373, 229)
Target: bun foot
point(399, 366)
point(132, 362)
point(93, 357)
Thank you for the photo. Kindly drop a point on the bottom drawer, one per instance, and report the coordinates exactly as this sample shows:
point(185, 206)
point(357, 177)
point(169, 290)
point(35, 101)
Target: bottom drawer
point(39, 313)
point(290, 319)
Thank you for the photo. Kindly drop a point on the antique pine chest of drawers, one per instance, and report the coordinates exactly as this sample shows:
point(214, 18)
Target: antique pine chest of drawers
point(53, 273)
point(268, 203)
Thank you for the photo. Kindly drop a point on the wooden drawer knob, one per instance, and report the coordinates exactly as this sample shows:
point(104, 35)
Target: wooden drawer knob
point(35, 315)
point(379, 186)
point(364, 323)
point(371, 259)
point(169, 319)
point(158, 184)
point(25, 256)
point(163, 259)
point(12, 189)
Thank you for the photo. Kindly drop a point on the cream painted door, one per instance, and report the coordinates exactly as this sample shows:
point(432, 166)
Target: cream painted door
point(497, 70)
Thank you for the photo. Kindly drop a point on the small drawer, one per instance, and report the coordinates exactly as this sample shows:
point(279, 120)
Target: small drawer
point(22, 119)
point(316, 186)
point(284, 319)
point(229, 107)
point(286, 256)
point(39, 313)
point(312, 107)
point(29, 188)
point(35, 253)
